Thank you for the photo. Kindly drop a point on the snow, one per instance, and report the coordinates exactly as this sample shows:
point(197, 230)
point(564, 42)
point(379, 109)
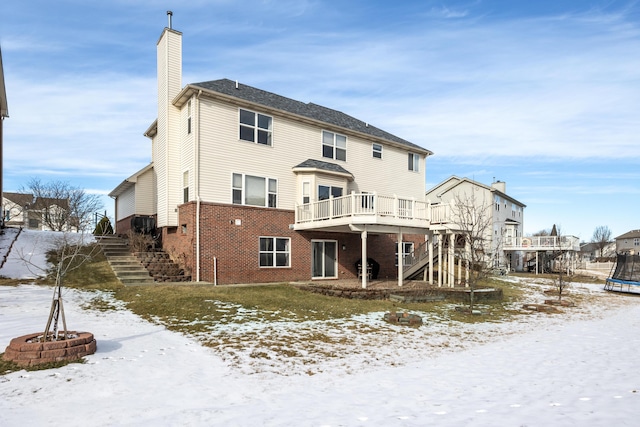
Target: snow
point(577, 368)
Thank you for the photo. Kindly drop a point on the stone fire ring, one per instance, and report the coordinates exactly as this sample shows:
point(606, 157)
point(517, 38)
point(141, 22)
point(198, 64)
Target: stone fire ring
point(27, 351)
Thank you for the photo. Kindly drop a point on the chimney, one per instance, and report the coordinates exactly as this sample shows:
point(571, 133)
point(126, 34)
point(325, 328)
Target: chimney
point(500, 186)
point(166, 146)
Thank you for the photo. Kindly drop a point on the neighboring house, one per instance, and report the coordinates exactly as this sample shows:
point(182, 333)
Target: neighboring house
point(15, 207)
point(628, 243)
point(591, 251)
point(40, 213)
point(4, 113)
point(249, 186)
point(507, 214)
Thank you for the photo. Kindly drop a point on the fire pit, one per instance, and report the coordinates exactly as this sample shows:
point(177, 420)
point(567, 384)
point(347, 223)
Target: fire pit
point(28, 350)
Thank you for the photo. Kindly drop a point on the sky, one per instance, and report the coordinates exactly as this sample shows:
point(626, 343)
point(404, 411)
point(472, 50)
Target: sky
point(534, 370)
point(541, 95)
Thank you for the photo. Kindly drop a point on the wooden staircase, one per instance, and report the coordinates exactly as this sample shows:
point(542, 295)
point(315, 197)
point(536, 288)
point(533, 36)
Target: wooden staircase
point(124, 264)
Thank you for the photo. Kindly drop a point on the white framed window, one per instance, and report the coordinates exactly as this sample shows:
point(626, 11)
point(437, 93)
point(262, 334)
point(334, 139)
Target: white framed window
point(636, 241)
point(306, 192)
point(254, 190)
point(325, 192)
point(376, 151)
point(334, 145)
point(256, 127)
point(185, 186)
point(275, 252)
point(414, 162)
point(407, 250)
point(189, 116)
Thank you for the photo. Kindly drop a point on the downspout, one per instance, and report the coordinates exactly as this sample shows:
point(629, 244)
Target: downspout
point(196, 182)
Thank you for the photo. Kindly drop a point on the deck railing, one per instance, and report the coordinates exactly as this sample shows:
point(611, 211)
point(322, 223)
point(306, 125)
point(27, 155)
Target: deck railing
point(363, 204)
point(551, 243)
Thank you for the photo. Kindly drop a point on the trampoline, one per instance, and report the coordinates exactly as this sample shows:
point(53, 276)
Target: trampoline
point(626, 274)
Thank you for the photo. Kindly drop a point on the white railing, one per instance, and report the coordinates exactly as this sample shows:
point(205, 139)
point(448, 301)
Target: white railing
point(570, 243)
point(363, 204)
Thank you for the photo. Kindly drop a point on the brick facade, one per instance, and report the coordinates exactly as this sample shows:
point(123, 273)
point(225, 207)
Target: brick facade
point(230, 235)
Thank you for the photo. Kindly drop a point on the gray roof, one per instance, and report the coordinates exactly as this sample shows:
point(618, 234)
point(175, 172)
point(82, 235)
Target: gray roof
point(309, 110)
point(319, 164)
point(629, 235)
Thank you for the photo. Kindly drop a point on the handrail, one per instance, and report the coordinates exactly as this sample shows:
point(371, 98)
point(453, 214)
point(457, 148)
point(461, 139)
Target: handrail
point(363, 204)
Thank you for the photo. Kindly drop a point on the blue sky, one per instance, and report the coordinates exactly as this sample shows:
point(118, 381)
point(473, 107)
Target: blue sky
point(543, 95)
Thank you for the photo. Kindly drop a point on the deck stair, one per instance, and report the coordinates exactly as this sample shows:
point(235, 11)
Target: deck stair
point(124, 264)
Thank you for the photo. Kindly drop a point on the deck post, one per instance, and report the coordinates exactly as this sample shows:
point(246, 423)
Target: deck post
point(440, 260)
point(431, 236)
point(451, 263)
point(363, 268)
point(400, 259)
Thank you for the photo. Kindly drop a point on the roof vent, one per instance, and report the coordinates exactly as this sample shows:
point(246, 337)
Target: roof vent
point(170, 15)
point(236, 84)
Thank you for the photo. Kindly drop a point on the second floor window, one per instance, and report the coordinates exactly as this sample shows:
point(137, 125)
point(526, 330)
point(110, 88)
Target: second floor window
point(255, 127)
point(414, 162)
point(254, 191)
point(189, 116)
point(377, 151)
point(185, 187)
point(325, 192)
point(334, 146)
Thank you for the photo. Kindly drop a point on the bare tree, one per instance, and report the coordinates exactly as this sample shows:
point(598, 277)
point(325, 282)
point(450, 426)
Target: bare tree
point(61, 206)
point(69, 252)
point(561, 261)
point(473, 219)
point(601, 238)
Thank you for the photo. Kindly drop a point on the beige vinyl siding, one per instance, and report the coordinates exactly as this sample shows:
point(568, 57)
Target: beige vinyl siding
point(222, 154)
point(167, 145)
point(145, 194)
point(187, 151)
point(126, 205)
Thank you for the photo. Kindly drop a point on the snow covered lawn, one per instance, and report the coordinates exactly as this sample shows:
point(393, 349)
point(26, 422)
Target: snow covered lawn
point(573, 369)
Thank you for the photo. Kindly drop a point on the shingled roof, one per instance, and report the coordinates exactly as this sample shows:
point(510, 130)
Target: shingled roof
point(308, 110)
point(322, 165)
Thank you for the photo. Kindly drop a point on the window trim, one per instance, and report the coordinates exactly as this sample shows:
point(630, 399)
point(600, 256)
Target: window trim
point(185, 186)
point(413, 162)
point(255, 127)
point(274, 252)
point(188, 117)
point(270, 197)
point(334, 145)
point(375, 151)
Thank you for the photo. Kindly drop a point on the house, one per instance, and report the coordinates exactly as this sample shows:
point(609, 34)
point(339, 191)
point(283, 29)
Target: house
point(628, 243)
point(248, 186)
point(15, 207)
point(23, 210)
point(590, 252)
point(4, 113)
point(505, 213)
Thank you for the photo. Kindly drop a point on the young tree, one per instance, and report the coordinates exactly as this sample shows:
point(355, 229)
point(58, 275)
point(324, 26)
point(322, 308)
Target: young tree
point(601, 238)
point(61, 206)
point(69, 252)
point(473, 219)
point(561, 260)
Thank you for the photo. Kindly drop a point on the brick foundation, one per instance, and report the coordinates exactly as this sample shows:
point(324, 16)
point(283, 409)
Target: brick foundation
point(230, 235)
point(26, 351)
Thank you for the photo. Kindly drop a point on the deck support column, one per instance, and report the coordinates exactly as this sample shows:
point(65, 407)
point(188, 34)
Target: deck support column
point(400, 259)
point(431, 238)
point(440, 269)
point(363, 268)
point(451, 263)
